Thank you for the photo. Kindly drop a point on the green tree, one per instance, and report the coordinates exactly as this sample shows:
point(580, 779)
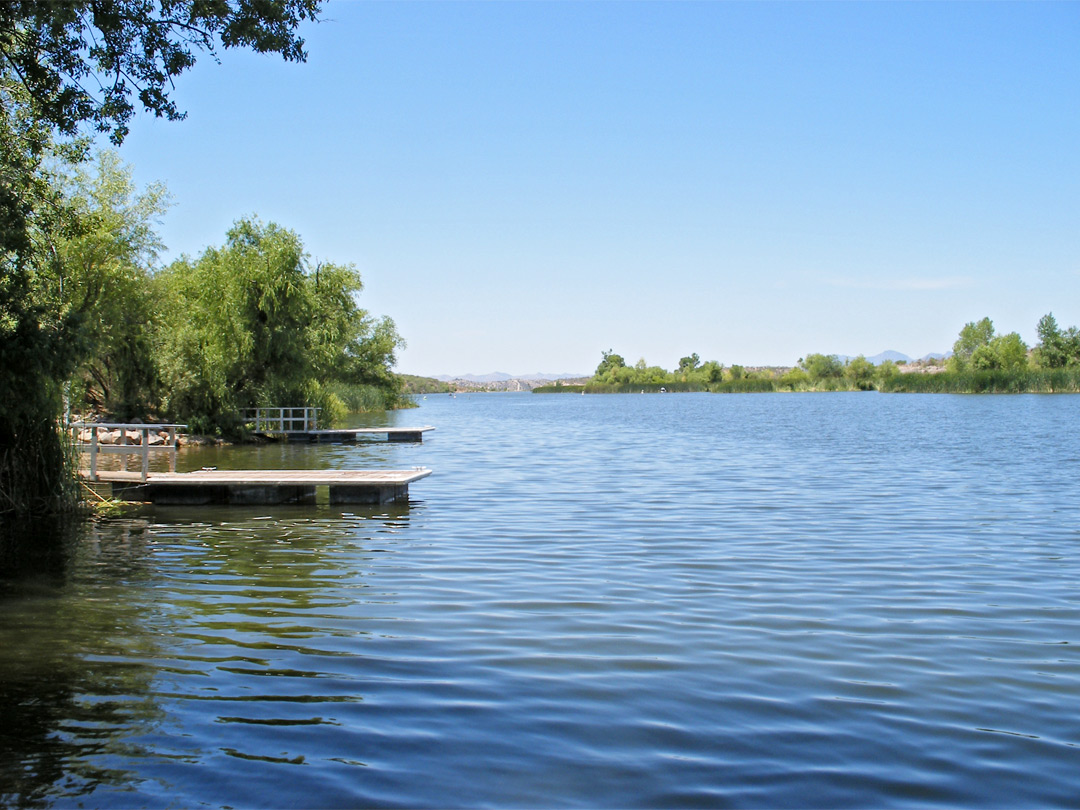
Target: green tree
point(251, 326)
point(822, 366)
point(712, 372)
point(974, 335)
point(886, 372)
point(105, 270)
point(1057, 348)
point(1012, 351)
point(860, 373)
point(234, 335)
point(687, 365)
point(609, 363)
point(655, 375)
point(82, 61)
point(625, 375)
point(1051, 347)
point(352, 353)
point(40, 338)
point(1004, 352)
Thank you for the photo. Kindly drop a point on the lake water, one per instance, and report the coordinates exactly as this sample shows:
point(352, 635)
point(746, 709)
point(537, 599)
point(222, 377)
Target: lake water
point(679, 600)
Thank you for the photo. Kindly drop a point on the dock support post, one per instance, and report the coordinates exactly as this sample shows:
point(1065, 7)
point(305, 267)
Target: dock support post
point(145, 453)
point(93, 452)
point(172, 449)
point(369, 494)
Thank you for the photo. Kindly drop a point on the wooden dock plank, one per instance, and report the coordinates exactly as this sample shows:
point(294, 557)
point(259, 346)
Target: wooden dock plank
point(264, 486)
point(264, 477)
point(377, 431)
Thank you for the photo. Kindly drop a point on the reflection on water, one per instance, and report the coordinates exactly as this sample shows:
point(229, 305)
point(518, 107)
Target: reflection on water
point(843, 600)
point(103, 624)
point(70, 693)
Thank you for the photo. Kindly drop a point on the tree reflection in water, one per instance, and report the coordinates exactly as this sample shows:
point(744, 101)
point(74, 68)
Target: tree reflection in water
point(70, 693)
point(143, 659)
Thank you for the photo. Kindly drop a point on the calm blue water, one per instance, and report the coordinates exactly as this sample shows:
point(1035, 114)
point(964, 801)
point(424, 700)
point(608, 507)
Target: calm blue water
point(819, 600)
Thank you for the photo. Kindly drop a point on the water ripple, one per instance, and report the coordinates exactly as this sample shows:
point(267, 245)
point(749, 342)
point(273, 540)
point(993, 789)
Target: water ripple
point(849, 600)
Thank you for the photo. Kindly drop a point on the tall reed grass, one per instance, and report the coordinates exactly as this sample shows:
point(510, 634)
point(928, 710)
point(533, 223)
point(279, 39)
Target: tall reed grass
point(359, 398)
point(38, 470)
point(1033, 381)
point(638, 388)
point(745, 385)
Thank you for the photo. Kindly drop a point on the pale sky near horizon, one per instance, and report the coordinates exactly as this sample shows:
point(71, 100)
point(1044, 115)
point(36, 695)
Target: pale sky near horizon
point(523, 185)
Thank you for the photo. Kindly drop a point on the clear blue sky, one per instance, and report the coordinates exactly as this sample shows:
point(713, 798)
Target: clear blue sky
point(524, 185)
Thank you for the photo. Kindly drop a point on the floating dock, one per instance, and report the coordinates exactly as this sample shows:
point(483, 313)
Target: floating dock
point(393, 434)
point(237, 487)
point(298, 425)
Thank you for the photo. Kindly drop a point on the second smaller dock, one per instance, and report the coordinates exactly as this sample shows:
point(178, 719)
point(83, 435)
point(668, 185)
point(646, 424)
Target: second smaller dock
point(393, 434)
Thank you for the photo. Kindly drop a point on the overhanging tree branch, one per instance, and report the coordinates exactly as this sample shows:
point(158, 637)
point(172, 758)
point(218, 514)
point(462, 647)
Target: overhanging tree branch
point(133, 48)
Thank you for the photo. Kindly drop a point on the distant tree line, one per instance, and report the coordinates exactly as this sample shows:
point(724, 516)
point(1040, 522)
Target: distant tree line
point(691, 374)
point(981, 361)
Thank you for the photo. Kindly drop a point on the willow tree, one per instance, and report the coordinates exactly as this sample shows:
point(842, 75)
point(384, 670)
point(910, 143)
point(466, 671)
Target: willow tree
point(67, 69)
point(252, 324)
point(106, 269)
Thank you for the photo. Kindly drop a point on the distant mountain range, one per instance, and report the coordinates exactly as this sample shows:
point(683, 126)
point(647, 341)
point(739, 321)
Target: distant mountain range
point(502, 376)
point(896, 357)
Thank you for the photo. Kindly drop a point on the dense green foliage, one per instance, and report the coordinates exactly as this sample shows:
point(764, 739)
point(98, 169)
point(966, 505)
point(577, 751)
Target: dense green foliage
point(105, 275)
point(75, 310)
point(244, 325)
point(746, 385)
point(997, 381)
point(1057, 348)
point(41, 336)
point(640, 388)
point(815, 372)
point(614, 375)
point(423, 385)
point(979, 349)
point(84, 315)
point(249, 324)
